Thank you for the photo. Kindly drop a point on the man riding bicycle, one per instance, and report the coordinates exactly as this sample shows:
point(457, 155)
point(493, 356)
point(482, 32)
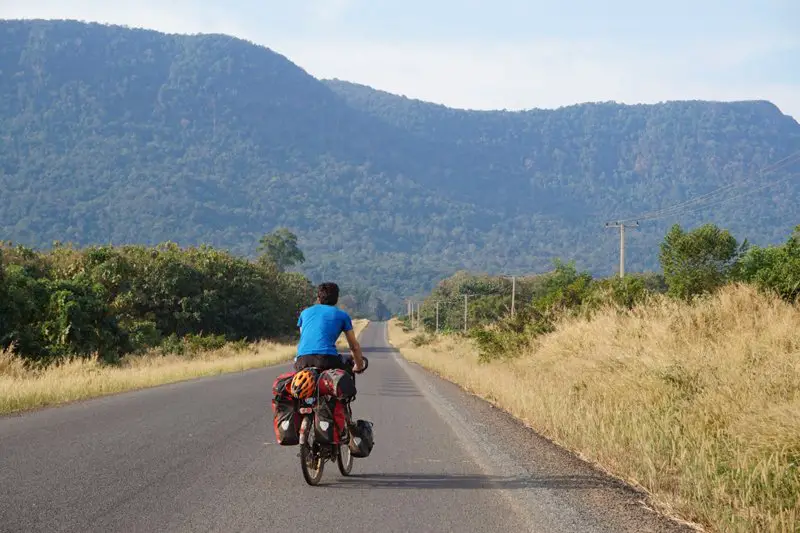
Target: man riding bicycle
point(320, 326)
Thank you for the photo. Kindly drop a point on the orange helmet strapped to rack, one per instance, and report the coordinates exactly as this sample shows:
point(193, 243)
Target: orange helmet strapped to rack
point(303, 384)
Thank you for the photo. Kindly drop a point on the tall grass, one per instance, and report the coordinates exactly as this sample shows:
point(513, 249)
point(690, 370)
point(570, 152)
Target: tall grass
point(697, 403)
point(25, 387)
point(77, 379)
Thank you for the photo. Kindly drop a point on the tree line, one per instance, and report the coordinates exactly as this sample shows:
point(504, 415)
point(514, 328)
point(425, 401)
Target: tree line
point(693, 262)
point(116, 300)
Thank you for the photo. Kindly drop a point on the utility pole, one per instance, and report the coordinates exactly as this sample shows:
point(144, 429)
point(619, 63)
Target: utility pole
point(465, 313)
point(621, 226)
point(437, 317)
point(513, 293)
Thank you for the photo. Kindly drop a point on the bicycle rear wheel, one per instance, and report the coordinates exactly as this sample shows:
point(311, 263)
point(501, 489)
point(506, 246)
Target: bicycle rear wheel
point(311, 464)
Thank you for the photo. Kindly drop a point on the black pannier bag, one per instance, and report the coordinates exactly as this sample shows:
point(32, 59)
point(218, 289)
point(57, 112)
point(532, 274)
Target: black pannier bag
point(285, 417)
point(362, 439)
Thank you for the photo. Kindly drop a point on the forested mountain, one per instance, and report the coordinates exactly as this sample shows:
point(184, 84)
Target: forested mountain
point(109, 134)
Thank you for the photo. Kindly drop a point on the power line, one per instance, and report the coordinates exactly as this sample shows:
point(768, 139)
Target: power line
point(684, 206)
point(741, 195)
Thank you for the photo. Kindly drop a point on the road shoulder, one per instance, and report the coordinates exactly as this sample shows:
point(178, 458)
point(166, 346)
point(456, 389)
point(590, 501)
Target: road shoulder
point(556, 486)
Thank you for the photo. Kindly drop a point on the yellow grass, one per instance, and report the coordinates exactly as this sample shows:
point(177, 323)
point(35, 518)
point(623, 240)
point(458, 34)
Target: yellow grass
point(78, 379)
point(699, 405)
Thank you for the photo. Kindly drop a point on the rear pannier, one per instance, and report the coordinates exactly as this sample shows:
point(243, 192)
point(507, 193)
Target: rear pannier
point(285, 417)
point(336, 383)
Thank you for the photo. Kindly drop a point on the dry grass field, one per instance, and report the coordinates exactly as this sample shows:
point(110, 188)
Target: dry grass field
point(698, 404)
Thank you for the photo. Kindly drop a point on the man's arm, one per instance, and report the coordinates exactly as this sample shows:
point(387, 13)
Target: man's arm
point(356, 349)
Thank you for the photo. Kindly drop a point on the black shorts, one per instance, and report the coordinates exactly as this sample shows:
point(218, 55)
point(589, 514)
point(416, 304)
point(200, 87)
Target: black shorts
point(323, 362)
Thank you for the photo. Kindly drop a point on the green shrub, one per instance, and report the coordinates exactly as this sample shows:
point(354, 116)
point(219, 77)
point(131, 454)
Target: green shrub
point(509, 337)
point(421, 339)
point(698, 261)
point(774, 268)
point(115, 300)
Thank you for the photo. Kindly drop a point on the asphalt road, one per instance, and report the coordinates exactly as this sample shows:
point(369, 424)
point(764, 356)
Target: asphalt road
point(201, 456)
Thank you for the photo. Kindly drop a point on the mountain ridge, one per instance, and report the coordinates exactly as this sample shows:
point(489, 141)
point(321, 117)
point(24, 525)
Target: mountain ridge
point(114, 134)
point(341, 85)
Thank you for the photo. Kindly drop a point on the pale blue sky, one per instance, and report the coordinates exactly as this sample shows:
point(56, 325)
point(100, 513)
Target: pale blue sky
point(501, 53)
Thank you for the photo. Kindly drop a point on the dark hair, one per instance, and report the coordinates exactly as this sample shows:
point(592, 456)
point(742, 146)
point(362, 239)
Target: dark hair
point(328, 293)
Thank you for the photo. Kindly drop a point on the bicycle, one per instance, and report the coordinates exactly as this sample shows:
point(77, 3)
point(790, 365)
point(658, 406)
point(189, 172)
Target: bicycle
point(314, 454)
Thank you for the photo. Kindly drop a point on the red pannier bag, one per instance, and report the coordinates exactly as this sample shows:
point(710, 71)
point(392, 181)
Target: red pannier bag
point(330, 422)
point(336, 383)
point(285, 416)
point(281, 385)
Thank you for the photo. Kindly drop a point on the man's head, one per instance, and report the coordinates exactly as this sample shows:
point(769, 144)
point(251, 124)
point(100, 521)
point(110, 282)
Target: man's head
point(328, 294)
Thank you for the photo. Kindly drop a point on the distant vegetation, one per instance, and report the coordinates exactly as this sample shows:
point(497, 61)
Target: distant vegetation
point(694, 263)
point(113, 135)
point(108, 301)
point(111, 301)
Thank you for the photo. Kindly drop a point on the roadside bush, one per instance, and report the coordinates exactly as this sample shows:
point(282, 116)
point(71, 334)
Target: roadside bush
point(108, 301)
point(775, 268)
point(509, 337)
point(698, 261)
point(422, 339)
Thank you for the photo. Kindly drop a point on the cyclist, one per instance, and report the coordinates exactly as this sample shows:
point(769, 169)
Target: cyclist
point(320, 325)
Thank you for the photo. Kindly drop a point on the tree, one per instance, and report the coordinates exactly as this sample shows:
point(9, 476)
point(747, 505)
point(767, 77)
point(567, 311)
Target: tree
point(381, 311)
point(698, 261)
point(775, 268)
point(280, 247)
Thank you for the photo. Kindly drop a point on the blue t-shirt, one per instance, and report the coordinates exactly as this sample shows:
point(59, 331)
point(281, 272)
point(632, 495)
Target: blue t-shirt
point(320, 327)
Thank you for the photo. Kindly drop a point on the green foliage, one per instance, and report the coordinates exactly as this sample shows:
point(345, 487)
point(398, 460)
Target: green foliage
point(191, 344)
point(76, 320)
point(422, 339)
point(627, 292)
point(542, 301)
point(774, 268)
point(142, 335)
point(509, 336)
point(566, 289)
point(280, 247)
point(698, 261)
point(207, 139)
point(115, 300)
point(361, 302)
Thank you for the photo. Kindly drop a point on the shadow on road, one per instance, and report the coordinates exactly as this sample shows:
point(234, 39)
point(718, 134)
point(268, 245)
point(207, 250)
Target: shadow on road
point(452, 481)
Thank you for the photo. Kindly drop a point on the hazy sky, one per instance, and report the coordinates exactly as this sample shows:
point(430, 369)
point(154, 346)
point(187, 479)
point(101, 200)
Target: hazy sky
point(495, 54)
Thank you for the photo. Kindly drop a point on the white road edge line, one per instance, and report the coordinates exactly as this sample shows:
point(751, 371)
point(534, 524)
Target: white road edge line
point(539, 509)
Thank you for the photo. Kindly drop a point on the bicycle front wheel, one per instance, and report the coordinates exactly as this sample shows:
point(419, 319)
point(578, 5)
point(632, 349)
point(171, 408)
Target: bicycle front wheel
point(344, 459)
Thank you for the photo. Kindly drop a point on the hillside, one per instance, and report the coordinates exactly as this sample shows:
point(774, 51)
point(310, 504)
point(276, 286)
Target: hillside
point(109, 134)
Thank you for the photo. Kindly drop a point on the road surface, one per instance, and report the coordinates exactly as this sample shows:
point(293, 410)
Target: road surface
point(200, 456)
